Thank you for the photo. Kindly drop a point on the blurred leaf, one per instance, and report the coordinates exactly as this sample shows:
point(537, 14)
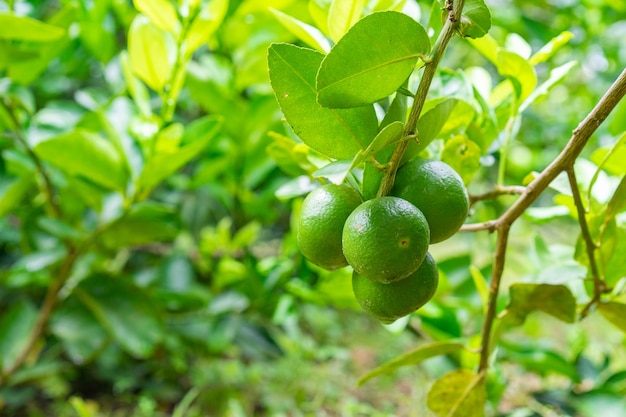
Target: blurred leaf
point(351, 76)
point(458, 393)
point(549, 49)
point(21, 28)
point(610, 160)
point(412, 358)
point(342, 15)
point(557, 75)
point(124, 311)
point(481, 285)
point(16, 325)
point(614, 313)
point(149, 49)
point(12, 192)
point(537, 359)
point(145, 223)
point(476, 19)
point(521, 74)
point(617, 203)
point(463, 155)
point(161, 12)
point(556, 300)
point(306, 33)
point(206, 23)
point(198, 135)
point(338, 133)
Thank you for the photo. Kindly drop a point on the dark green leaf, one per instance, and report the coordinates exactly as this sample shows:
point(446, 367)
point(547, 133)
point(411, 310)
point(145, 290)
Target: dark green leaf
point(16, 324)
point(145, 223)
point(618, 201)
point(337, 133)
point(459, 393)
point(371, 61)
point(12, 191)
point(476, 19)
point(124, 311)
point(85, 153)
point(556, 300)
point(411, 358)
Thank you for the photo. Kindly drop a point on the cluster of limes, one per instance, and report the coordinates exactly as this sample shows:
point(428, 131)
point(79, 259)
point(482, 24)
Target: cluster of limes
point(385, 240)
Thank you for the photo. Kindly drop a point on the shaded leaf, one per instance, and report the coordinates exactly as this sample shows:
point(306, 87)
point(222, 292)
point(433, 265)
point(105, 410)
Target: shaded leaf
point(124, 311)
point(16, 324)
point(12, 192)
point(337, 133)
point(371, 61)
point(85, 153)
point(537, 359)
point(556, 300)
point(412, 358)
point(21, 28)
point(476, 19)
point(305, 32)
point(342, 15)
point(459, 393)
point(149, 51)
point(145, 223)
point(614, 313)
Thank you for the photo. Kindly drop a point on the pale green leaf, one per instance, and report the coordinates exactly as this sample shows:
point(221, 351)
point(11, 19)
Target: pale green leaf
point(459, 393)
point(150, 48)
point(336, 172)
point(476, 19)
point(390, 134)
point(463, 155)
point(517, 69)
point(557, 75)
point(617, 203)
point(337, 133)
point(21, 28)
point(161, 12)
point(303, 31)
point(549, 49)
point(481, 285)
point(610, 160)
point(412, 358)
point(137, 90)
point(342, 15)
point(206, 23)
point(371, 61)
point(614, 313)
point(556, 300)
point(488, 47)
point(16, 324)
point(85, 153)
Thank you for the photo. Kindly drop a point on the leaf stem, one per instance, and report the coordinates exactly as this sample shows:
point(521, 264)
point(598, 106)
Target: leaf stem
point(454, 8)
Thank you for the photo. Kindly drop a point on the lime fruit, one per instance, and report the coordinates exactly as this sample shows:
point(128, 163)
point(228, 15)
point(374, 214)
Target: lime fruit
point(323, 214)
point(438, 191)
point(385, 239)
point(389, 302)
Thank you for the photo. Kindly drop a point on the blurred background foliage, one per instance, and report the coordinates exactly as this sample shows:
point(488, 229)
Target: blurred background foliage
point(182, 291)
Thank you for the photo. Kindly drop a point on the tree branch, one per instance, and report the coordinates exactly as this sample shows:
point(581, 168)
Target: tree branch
point(496, 192)
point(563, 162)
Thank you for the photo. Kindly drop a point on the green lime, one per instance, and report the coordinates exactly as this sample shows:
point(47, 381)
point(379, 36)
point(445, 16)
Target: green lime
point(438, 191)
point(323, 214)
point(385, 239)
point(389, 302)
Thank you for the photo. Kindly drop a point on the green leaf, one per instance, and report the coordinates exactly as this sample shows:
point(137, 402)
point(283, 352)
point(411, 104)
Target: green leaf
point(617, 203)
point(336, 172)
point(305, 32)
point(481, 285)
point(459, 393)
point(615, 313)
point(540, 360)
point(476, 19)
point(549, 49)
point(12, 192)
point(342, 15)
point(371, 61)
point(124, 311)
point(388, 135)
point(16, 324)
point(435, 115)
point(21, 28)
point(412, 358)
point(161, 12)
point(149, 48)
point(145, 223)
point(556, 300)
point(85, 153)
point(610, 160)
point(463, 155)
point(337, 133)
point(557, 75)
point(206, 23)
point(519, 71)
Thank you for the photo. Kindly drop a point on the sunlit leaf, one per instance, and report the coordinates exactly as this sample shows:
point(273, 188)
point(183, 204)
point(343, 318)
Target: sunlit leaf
point(463, 155)
point(149, 49)
point(556, 300)
point(303, 31)
point(476, 19)
point(161, 12)
point(371, 61)
point(557, 75)
point(206, 23)
point(459, 393)
point(549, 49)
point(22, 28)
point(338, 133)
point(412, 358)
point(342, 15)
point(614, 313)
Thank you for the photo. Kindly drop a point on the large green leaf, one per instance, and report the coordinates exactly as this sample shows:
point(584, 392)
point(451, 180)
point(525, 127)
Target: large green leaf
point(21, 28)
point(476, 19)
point(124, 311)
point(412, 358)
point(337, 133)
point(150, 49)
point(556, 300)
point(371, 61)
point(16, 324)
point(459, 393)
point(197, 137)
point(145, 223)
point(614, 313)
point(12, 191)
point(85, 153)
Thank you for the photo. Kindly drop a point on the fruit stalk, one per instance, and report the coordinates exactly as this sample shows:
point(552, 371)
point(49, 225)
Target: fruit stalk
point(454, 9)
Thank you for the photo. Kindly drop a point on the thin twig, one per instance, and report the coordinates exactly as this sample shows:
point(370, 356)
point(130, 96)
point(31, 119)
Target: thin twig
point(476, 227)
point(563, 161)
point(498, 191)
